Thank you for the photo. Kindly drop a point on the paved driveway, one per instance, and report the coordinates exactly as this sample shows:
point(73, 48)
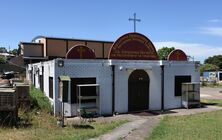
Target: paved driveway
point(211, 93)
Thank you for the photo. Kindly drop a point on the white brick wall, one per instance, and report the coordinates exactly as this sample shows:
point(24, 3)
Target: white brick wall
point(102, 71)
point(173, 69)
point(121, 83)
point(89, 68)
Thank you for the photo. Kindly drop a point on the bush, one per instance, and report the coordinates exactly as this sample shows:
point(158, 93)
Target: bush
point(203, 83)
point(2, 60)
point(39, 101)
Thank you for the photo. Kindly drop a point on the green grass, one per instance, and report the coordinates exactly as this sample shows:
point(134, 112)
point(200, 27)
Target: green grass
point(39, 101)
point(38, 124)
point(211, 102)
point(43, 126)
point(212, 85)
point(205, 126)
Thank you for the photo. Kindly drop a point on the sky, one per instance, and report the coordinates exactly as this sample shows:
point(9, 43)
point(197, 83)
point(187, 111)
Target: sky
point(194, 26)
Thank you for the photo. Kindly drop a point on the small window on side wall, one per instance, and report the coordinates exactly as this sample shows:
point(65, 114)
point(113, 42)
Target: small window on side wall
point(178, 83)
point(51, 87)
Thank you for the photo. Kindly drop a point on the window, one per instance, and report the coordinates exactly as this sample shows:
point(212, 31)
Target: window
point(178, 83)
point(34, 80)
point(41, 82)
point(220, 76)
point(86, 91)
point(51, 87)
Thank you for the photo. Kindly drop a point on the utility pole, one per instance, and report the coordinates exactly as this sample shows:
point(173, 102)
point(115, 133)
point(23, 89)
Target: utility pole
point(134, 19)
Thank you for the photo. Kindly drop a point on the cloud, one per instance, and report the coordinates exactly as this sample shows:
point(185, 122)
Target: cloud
point(215, 20)
point(199, 51)
point(217, 31)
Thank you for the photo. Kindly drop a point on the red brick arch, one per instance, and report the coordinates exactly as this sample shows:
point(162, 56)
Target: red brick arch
point(80, 52)
point(133, 46)
point(177, 55)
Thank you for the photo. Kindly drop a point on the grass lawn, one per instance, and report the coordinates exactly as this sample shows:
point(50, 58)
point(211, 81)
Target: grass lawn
point(43, 126)
point(38, 124)
point(205, 126)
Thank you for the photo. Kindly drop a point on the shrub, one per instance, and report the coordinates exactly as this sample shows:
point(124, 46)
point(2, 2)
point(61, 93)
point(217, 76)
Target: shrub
point(203, 83)
point(2, 60)
point(39, 101)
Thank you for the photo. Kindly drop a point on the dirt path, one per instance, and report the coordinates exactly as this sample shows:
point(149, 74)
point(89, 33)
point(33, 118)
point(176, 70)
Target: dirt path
point(144, 130)
point(122, 131)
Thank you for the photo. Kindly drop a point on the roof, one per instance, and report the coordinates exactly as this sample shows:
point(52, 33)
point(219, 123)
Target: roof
point(64, 78)
point(31, 43)
point(6, 54)
point(76, 39)
point(33, 57)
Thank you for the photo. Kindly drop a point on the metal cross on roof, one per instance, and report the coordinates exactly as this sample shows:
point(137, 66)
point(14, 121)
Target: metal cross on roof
point(134, 19)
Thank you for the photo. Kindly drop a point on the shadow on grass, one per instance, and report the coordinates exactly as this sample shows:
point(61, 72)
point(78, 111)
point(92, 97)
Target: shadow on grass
point(205, 104)
point(167, 112)
point(82, 126)
point(11, 122)
point(145, 113)
point(24, 123)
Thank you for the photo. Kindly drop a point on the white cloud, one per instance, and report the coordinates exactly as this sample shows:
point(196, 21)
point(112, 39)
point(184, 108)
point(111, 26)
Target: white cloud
point(217, 31)
point(215, 20)
point(196, 50)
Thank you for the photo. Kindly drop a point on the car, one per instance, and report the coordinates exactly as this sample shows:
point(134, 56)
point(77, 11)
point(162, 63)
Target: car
point(8, 75)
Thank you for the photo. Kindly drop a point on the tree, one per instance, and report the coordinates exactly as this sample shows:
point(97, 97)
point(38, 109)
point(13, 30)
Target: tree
point(208, 67)
point(215, 60)
point(164, 52)
point(2, 60)
point(14, 51)
point(3, 50)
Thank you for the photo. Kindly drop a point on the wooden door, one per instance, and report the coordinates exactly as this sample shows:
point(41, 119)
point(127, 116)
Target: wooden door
point(138, 91)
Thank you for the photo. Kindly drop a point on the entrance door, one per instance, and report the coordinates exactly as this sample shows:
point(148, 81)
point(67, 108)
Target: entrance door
point(138, 91)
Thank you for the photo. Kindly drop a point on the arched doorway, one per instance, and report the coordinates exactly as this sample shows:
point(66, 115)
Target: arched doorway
point(138, 91)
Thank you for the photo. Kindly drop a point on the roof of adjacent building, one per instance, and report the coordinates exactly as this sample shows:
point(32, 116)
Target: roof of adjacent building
point(31, 43)
point(76, 39)
point(6, 54)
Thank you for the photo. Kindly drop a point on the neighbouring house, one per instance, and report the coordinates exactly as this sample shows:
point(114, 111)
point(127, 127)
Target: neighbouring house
point(7, 55)
point(43, 48)
point(118, 77)
point(212, 76)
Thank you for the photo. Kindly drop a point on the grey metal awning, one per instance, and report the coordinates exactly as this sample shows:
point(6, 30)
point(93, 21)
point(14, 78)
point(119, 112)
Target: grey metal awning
point(64, 78)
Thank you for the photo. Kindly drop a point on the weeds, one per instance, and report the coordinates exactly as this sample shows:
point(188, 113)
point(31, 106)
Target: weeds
point(38, 101)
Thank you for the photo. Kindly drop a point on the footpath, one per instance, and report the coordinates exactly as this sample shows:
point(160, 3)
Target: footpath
point(140, 126)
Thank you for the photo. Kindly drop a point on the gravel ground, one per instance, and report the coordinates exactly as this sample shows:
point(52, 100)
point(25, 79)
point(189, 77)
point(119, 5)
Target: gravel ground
point(211, 93)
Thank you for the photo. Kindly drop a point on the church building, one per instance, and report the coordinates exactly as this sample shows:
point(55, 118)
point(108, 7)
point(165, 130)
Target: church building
point(127, 77)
